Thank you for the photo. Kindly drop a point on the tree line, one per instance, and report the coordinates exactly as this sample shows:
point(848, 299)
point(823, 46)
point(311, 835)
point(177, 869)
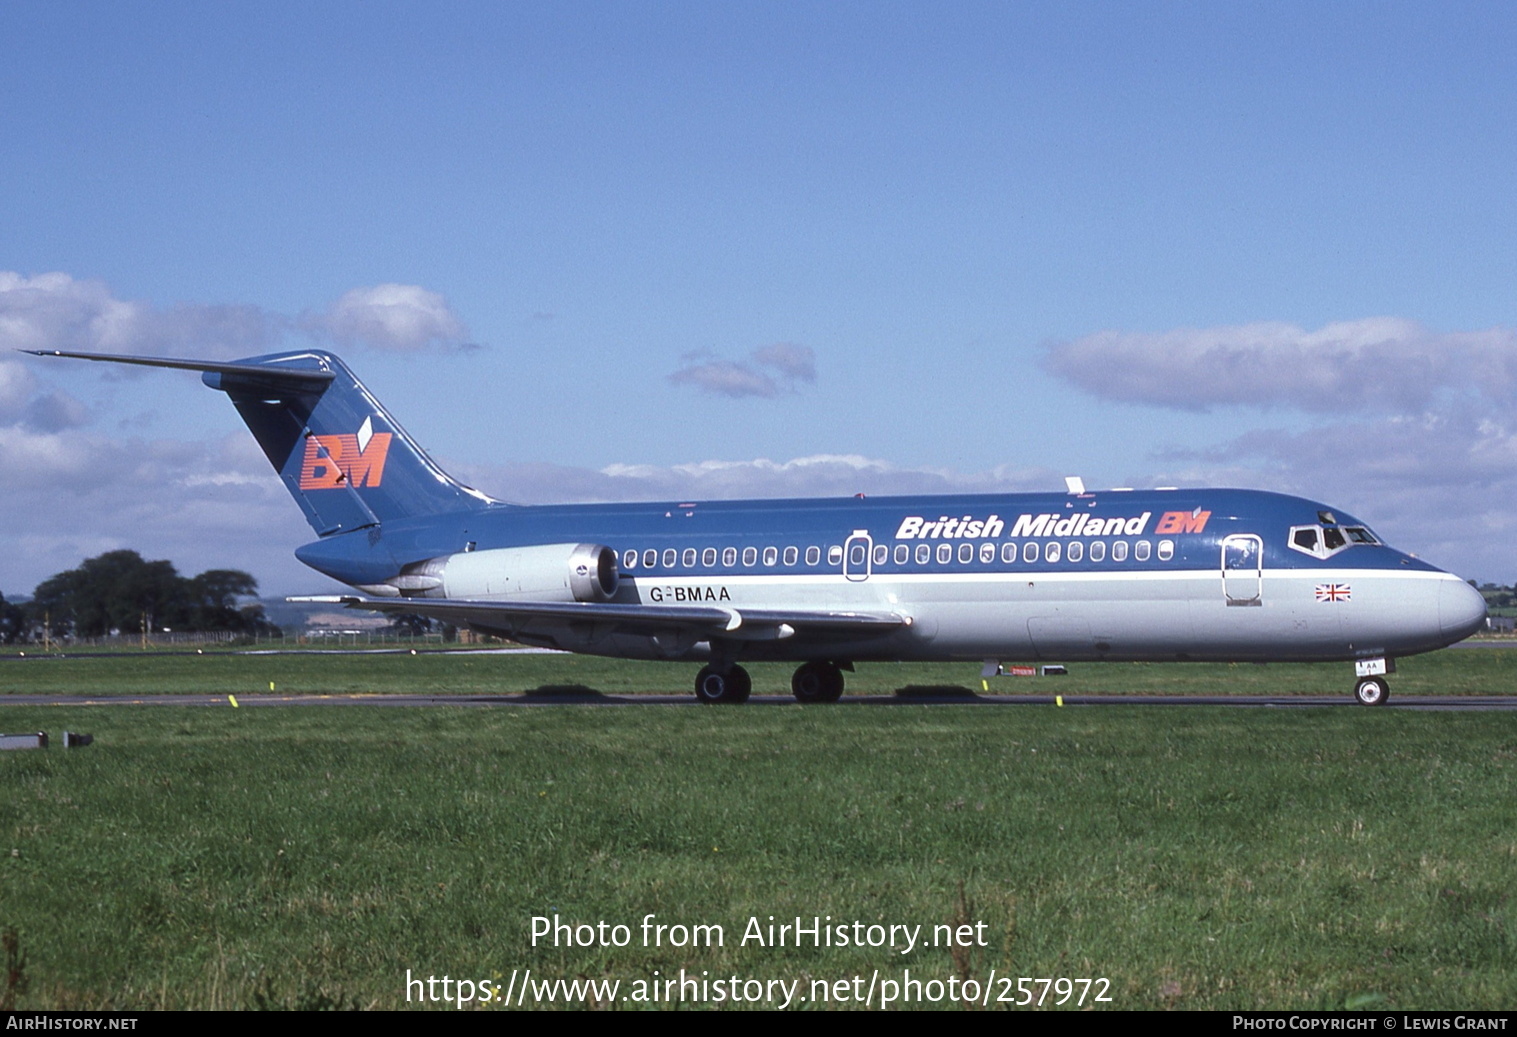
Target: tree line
point(121, 593)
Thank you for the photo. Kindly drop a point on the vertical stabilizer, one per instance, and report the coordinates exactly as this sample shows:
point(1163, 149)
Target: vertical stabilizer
point(340, 454)
point(342, 457)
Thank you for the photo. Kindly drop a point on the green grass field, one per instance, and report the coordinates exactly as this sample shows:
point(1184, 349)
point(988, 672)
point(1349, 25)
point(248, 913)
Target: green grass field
point(1197, 858)
point(1459, 672)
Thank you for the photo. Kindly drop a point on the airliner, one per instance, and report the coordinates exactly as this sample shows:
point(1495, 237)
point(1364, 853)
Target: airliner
point(1218, 575)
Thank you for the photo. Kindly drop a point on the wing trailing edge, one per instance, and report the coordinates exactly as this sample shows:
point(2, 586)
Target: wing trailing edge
point(729, 623)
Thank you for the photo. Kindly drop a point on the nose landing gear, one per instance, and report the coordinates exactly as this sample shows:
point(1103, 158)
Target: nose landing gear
point(1372, 691)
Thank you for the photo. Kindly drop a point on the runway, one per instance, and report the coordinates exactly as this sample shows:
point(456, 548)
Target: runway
point(936, 697)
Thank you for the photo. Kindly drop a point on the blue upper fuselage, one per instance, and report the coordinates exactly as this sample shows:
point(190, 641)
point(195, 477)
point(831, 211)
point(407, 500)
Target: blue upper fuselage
point(1170, 529)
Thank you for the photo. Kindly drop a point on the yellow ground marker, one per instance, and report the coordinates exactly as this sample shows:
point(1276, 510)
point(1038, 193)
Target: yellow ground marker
point(1058, 700)
point(233, 700)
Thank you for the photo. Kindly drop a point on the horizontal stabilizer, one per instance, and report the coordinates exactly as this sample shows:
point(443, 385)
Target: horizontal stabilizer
point(261, 371)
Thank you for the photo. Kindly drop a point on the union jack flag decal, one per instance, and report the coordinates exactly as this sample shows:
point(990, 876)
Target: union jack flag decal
point(1334, 592)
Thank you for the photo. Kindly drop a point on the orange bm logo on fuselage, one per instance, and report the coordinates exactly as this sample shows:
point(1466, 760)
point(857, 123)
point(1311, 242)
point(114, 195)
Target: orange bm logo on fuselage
point(334, 461)
point(1182, 521)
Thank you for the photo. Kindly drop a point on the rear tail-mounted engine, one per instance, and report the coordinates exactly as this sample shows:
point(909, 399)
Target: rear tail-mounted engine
point(549, 572)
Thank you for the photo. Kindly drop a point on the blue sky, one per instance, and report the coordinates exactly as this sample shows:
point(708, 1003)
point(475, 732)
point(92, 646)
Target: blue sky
point(622, 250)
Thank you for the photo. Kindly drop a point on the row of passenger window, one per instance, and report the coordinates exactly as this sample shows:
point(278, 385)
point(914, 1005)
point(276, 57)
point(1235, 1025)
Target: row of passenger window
point(903, 554)
point(687, 558)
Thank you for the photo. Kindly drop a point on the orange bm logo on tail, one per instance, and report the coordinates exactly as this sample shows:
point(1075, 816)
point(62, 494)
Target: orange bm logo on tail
point(334, 461)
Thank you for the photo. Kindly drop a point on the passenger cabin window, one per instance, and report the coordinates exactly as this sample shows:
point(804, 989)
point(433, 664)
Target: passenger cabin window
point(902, 554)
point(750, 555)
point(881, 554)
point(670, 557)
point(835, 554)
point(791, 554)
point(688, 558)
point(708, 557)
point(1052, 552)
point(1140, 550)
point(987, 552)
point(729, 556)
point(771, 555)
point(1076, 550)
point(1030, 552)
point(1119, 551)
point(650, 558)
point(1166, 550)
point(1009, 553)
point(924, 554)
point(1098, 551)
point(813, 555)
point(629, 559)
point(966, 553)
point(945, 554)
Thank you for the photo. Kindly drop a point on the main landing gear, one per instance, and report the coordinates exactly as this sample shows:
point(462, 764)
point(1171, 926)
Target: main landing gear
point(715, 687)
point(818, 681)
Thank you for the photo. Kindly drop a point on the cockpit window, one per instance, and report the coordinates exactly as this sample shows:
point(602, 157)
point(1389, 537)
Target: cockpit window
point(1326, 540)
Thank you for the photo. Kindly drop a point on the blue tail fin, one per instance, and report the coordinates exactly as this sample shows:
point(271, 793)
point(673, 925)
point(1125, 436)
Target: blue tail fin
point(342, 457)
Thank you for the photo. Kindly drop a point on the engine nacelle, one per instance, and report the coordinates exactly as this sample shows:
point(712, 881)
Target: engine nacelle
point(549, 572)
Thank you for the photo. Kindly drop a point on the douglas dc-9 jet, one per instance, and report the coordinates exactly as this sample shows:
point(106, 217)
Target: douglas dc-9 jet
point(1114, 575)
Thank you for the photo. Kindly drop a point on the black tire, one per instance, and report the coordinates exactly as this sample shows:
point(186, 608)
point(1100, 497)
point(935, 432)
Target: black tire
point(715, 688)
point(817, 682)
point(1372, 691)
point(741, 685)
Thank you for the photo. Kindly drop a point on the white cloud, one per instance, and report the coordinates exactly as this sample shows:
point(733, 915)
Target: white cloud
point(22, 402)
point(54, 311)
point(823, 475)
point(17, 387)
point(791, 363)
point(726, 378)
point(1424, 445)
point(1440, 485)
point(201, 505)
point(789, 359)
point(402, 317)
point(1376, 364)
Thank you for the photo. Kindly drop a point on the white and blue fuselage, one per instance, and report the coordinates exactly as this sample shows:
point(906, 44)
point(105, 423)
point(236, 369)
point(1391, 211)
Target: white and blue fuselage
point(1154, 575)
point(1141, 575)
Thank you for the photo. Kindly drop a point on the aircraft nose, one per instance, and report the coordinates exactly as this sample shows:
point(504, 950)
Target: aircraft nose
point(1461, 610)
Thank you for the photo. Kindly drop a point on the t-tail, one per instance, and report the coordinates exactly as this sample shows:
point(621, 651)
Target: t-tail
point(346, 462)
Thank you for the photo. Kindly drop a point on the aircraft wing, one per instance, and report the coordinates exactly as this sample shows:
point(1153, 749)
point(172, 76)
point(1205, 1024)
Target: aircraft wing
point(701, 621)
